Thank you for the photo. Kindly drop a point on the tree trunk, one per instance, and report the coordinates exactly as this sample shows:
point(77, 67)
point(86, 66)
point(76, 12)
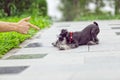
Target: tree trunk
point(7, 7)
point(117, 7)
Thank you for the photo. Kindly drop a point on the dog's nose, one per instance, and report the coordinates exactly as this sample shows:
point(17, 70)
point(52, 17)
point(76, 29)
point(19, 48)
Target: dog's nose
point(54, 44)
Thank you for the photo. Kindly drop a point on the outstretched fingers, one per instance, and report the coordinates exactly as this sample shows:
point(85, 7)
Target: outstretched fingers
point(33, 26)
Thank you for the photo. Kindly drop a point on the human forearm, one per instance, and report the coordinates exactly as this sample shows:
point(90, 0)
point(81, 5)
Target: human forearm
point(5, 27)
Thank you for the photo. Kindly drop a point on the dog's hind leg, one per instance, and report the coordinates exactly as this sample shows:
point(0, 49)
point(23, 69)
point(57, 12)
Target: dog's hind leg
point(94, 33)
point(96, 40)
point(91, 43)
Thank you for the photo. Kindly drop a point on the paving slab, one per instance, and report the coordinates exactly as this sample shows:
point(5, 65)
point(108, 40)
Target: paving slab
point(97, 62)
point(51, 50)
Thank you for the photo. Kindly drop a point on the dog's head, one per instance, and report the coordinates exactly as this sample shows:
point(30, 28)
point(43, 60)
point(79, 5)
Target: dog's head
point(62, 35)
point(61, 42)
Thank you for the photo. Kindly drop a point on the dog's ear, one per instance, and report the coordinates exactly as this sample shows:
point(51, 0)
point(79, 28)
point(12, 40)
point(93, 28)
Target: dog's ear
point(64, 31)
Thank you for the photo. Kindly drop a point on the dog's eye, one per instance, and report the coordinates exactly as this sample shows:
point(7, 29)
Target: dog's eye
point(63, 34)
point(60, 38)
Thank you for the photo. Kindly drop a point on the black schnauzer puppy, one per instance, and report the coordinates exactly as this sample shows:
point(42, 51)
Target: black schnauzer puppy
point(68, 40)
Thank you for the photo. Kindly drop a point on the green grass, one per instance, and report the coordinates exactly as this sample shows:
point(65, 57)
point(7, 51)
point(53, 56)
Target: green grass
point(10, 40)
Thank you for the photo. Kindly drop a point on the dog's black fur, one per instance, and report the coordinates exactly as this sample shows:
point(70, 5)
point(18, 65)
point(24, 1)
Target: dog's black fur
point(88, 36)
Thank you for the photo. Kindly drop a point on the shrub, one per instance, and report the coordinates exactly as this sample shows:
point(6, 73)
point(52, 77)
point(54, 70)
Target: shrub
point(19, 7)
point(10, 40)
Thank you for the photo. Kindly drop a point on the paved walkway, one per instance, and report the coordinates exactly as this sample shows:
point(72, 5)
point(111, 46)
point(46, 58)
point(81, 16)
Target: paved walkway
point(39, 60)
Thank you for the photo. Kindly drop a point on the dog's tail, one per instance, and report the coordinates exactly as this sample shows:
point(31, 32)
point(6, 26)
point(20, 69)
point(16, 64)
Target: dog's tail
point(95, 23)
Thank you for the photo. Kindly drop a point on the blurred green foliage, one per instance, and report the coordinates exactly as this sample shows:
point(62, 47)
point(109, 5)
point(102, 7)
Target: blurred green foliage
point(20, 7)
point(78, 9)
point(10, 40)
point(13, 11)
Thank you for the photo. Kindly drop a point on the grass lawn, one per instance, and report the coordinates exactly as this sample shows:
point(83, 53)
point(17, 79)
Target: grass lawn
point(10, 40)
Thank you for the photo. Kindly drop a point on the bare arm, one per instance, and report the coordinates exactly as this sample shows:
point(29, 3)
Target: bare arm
point(22, 26)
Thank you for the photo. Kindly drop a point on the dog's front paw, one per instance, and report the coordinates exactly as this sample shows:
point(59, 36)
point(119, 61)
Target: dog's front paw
point(64, 47)
point(73, 45)
point(61, 47)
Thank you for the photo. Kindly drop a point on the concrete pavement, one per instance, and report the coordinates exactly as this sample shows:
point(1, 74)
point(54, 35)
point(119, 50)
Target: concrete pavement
point(39, 60)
